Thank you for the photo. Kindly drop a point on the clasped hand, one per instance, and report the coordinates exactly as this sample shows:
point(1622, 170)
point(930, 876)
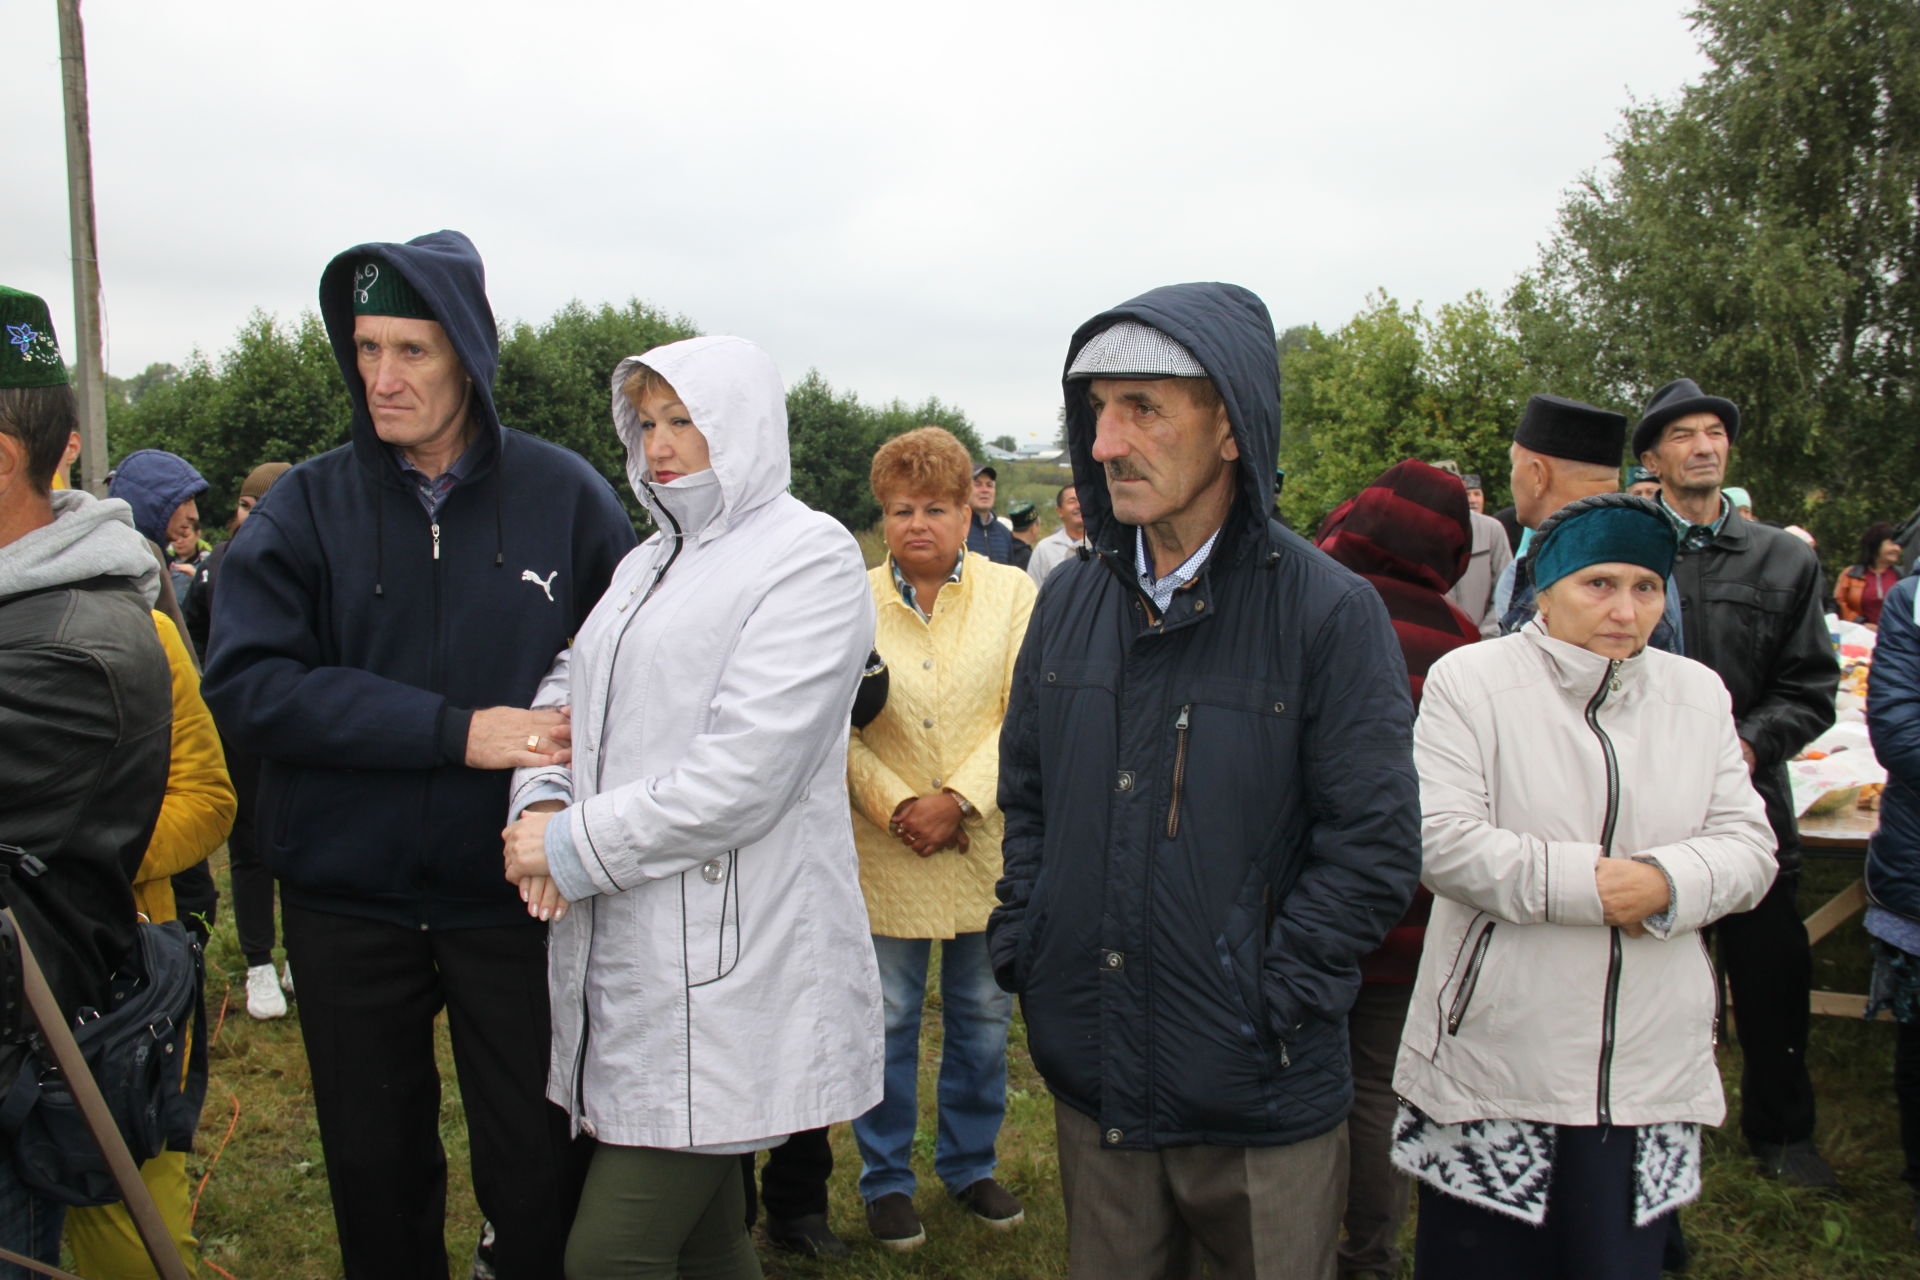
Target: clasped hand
point(525, 842)
point(928, 824)
point(1630, 892)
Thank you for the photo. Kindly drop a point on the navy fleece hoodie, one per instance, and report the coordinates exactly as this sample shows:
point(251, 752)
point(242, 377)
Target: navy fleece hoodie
point(154, 483)
point(354, 637)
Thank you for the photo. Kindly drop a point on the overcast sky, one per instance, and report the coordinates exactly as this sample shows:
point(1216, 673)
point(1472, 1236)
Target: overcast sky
point(914, 199)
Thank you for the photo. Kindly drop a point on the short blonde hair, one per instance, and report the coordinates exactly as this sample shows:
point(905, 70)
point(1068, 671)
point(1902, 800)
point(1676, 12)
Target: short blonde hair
point(927, 462)
point(645, 380)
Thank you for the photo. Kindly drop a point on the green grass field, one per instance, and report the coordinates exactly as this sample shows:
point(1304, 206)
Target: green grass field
point(264, 1213)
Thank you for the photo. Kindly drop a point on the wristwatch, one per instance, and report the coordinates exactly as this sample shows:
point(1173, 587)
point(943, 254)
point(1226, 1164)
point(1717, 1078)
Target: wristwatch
point(967, 811)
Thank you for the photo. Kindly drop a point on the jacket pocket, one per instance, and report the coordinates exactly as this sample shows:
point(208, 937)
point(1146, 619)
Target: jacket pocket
point(1470, 979)
point(710, 918)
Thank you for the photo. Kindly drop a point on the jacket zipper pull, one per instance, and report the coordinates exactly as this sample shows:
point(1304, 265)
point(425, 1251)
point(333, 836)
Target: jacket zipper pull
point(436, 539)
point(1179, 770)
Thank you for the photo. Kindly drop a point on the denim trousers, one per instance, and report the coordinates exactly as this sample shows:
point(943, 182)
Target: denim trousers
point(973, 1066)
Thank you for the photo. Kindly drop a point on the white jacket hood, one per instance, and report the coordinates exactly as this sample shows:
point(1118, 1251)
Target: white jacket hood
point(89, 538)
point(733, 392)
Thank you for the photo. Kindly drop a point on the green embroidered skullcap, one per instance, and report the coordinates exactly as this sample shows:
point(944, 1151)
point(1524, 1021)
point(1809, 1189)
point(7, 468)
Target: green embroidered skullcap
point(380, 290)
point(30, 357)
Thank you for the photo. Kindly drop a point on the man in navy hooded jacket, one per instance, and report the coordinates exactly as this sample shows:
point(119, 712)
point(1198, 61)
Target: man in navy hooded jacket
point(1211, 813)
point(384, 618)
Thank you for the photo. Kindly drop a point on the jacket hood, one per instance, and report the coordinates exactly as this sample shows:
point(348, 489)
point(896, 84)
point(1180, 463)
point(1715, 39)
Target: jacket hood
point(89, 538)
point(1229, 332)
point(733, 392)
point(153, 483)
point(446, 270)
point(1411, 523)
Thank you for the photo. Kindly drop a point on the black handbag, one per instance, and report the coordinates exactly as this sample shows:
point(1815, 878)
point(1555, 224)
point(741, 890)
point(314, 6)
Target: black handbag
point(146, 1049)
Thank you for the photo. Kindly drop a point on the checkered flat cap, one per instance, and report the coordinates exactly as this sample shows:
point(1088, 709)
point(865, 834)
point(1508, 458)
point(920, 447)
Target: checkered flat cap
point(1130, 349)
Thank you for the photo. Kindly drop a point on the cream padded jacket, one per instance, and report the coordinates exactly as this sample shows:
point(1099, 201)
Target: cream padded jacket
point(947, 686)
point(1509, 1018)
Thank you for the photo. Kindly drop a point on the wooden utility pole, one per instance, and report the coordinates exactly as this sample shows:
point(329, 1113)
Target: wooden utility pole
point(91, 390)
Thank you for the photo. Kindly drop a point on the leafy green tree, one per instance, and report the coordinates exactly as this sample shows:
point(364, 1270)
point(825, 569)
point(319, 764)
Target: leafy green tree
point(554, 379)
point(1006, 442)
point(1761, 235)
point(1393, 384)
point(275, 395)
point(832, 437)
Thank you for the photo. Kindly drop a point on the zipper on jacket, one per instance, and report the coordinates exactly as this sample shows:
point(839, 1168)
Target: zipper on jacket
point(439, 642)
point(1713, 976)
point(1179, 769)
point(580, 1050)
point(1609, 1012)
point(1470, 980)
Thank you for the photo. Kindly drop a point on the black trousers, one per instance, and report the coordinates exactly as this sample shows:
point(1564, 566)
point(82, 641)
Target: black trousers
point(252, 882)
point(1769, 966)
point(794, 1181)
point(1588, 1235)
point(1906, 1092)
point(369, 993)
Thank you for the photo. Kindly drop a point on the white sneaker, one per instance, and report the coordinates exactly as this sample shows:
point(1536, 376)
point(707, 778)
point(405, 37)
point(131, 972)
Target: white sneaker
point(263, 993)
point(286, 977)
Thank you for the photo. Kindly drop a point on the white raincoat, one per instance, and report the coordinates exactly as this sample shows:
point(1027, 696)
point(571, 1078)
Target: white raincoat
point(719, 985)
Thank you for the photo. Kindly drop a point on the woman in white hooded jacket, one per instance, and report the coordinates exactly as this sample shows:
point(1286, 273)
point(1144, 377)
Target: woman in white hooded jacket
point(713, 984)
point(1586, 812)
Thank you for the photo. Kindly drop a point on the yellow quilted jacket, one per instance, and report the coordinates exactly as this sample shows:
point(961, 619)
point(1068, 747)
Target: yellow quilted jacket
point(947, 685)
point(198, 811)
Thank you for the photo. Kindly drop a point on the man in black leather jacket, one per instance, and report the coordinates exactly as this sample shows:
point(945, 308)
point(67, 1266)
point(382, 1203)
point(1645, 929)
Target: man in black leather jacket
point(86, 709)
point(1753, 611)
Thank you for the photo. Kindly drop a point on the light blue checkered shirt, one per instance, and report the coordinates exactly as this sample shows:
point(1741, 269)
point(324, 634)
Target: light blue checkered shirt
point(1161, 592)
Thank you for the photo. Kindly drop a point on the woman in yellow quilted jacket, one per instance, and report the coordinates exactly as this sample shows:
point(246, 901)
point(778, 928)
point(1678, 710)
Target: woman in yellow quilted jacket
point(194, 821)
point(923, 777)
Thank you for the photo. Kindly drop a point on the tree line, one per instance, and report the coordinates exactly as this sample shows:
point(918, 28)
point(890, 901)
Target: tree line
point(276, 394)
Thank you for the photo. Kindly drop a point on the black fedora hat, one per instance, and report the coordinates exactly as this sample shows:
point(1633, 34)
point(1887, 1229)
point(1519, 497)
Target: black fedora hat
point(1676, 400)
point(1563, 428)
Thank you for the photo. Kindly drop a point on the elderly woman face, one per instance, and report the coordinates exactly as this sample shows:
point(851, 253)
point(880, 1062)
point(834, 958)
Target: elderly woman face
point(1610, 609)
point(925, 533)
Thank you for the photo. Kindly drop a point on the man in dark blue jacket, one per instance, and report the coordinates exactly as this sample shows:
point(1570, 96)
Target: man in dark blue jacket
point(383, 620)
point(1211, 810)
point(985, 534)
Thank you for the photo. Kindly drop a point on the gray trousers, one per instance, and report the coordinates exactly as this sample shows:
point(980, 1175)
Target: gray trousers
point(1377, 1193)
point(1246, 1213)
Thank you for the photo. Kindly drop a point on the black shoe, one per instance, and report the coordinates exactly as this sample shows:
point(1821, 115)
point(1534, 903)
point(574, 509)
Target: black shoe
point(807, 1235)
point(894, 1223)
point(992, 1203)
point(1797, 1164)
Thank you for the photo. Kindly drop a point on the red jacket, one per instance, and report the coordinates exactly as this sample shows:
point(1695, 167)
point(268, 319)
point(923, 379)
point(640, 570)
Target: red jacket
point(1408, 533)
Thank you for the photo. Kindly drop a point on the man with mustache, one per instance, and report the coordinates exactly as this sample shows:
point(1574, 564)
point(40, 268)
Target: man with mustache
point(1212, 814)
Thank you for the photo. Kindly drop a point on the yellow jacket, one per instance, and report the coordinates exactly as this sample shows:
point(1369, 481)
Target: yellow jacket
point(947, 686)
point(197, 814)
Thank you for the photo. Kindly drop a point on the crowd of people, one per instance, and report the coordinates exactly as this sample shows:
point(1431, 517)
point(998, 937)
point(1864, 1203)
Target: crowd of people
point(1322, 870)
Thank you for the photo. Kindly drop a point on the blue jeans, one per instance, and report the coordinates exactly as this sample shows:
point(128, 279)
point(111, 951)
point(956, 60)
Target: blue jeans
point(973, 1066)
point(30, 1223)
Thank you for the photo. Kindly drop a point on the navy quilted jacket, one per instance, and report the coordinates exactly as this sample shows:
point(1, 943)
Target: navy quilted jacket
point(1893, 717)
point(1211, 816)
